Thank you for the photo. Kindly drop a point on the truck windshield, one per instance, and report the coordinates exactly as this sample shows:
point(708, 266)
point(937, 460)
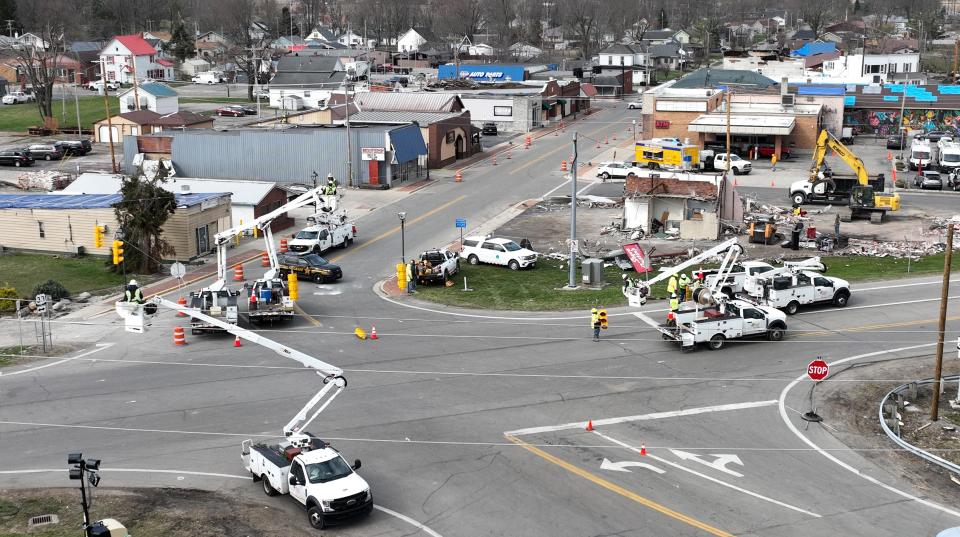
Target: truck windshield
point(322, 472)
point(308, 235)
point(951, 157)
point(921, 155)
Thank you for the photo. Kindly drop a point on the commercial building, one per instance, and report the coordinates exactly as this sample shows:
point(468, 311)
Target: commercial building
point(64, 223)
point(249, 199)
point(380, 156)
point(877, 109)
point(492, 72)
point(144, 122)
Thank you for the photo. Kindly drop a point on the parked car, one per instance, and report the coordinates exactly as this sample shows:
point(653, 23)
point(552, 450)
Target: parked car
point(393, 80)
point(77, 148)
point(928, 179)
point(18, 97)
point(934, 136)
point(497, 251)
point(16, 158)
point(45, 151)
point(635, 105)
point(438, 266)
point(95, 85)
point(489, 129)
point(618, 170)
point(308, 266)
point(767, 151)
point(896, 141)
point(230, 111)
point(247, 110)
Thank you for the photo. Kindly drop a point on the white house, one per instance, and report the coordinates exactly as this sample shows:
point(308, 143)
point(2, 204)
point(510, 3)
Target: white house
point(351, 39)
point(412, 39)
point(305, 81)
point(870, 68)
point(154, 96)
point(481, 49)
point(29, 40)
point(522, 51)
point(125, 55)
point(781, 22)
point(658, 37)
point(621, 55)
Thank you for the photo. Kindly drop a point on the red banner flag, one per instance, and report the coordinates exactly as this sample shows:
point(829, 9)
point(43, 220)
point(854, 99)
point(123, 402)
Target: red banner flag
point(638, 257)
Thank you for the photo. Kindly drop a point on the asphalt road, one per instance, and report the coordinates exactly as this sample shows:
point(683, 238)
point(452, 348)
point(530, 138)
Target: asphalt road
point(472, 422)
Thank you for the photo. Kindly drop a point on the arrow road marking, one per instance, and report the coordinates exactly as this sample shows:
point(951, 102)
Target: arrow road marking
point(709, 478)
point(622, 466)
point(723, 459)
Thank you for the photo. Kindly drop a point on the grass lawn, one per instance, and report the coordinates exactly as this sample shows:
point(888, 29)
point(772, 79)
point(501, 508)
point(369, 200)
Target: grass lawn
point(538, 289)
point(24, 271)
point(224, 100)
point(19, 117)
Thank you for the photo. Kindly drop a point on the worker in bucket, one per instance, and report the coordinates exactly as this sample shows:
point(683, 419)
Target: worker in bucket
point(133, 293)
point(595, 323)
point(331, 188)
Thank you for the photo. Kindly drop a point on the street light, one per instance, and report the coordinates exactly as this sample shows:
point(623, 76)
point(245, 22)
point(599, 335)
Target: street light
point(403, 245)
point(634, 129)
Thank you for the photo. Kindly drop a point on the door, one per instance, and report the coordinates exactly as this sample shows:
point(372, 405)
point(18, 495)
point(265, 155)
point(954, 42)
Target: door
point(107, 134)
point(297, 475)
point(823, 289)
point(203, 245)
point(753, 321)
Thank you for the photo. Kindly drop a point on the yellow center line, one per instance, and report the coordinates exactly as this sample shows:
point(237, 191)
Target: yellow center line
point(613, 487)
point(386, 234)
point(545, 155)
point(867, 328)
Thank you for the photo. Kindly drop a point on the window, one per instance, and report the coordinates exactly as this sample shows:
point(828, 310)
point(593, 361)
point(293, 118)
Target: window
point(891, 68)
point(297, 472)
point(822, 282)
point(906, 68)
point(506, 111)
point(43, 233)
point(306, 93)
point(469, 242)
point(622, 60)
point(873, 68)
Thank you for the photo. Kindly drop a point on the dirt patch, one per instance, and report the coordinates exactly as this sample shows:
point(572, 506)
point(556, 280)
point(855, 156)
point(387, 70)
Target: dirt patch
point(17, 355)
point(851, 409)
point(150, 513)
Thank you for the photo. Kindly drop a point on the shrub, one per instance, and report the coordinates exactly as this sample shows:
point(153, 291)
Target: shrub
point(8, 297)
point(52, 288)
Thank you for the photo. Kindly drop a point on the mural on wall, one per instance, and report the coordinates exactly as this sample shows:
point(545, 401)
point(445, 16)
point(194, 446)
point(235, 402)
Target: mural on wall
point(885, 122)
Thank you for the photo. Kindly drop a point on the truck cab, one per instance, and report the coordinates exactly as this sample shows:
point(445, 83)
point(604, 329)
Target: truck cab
point(320, 238)
point(949, 154)
point(316, 476)
point(922, 154)
point(738, 165)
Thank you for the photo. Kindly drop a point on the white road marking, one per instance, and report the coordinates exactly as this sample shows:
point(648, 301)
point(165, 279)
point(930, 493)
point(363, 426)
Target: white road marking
point(845, 466)
point(721, 462)
point(622, 466)
point(99, 347)
point(868, 306)
point(937, 282)
point(641, 417)
point(420, 526)
point(708, 478)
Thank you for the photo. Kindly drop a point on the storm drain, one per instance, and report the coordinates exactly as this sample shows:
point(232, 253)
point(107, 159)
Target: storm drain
point(43, 520)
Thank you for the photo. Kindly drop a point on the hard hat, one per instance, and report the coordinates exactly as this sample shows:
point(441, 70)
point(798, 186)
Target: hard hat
point(594, 310)
point(330, 176)
point(673, 295)
point(133, 282)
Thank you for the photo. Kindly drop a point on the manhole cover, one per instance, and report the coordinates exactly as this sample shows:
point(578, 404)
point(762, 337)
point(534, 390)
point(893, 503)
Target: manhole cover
point(43, 520)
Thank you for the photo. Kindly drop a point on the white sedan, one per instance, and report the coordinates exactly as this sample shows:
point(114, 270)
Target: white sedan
point(616, 170)
point(635, 105)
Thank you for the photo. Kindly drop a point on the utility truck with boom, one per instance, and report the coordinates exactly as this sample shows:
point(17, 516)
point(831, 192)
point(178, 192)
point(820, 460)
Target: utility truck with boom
point(310, 470)
point(329, 227)
point(710, 317)
point(795, 284)
point(865, 196)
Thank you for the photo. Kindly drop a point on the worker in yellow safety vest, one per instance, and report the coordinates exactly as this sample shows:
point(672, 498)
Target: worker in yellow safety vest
point(684, 291)
point(674, 308)
point(672, 284)
point(595, 323)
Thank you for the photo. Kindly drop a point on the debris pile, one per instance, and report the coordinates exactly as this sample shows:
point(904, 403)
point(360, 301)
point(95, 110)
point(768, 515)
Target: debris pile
point(44, 180)
point(895, 249)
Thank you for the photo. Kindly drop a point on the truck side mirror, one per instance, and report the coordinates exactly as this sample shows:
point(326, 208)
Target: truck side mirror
point(294, 481)
point(356, 464)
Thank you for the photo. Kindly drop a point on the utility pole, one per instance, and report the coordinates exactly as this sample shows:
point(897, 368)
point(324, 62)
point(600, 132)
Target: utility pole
point(106, 105)
point(136, 86)
point(573, 216)
point(944, 291)
point(903, 128)
point(727, 172)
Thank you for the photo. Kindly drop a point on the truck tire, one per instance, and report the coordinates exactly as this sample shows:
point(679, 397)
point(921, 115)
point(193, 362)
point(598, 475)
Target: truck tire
point(716, 342)
point(728, 292)
point(513, 264)
point(736, 171)
point(315, 516)
point(841, 299)
point(267, 487)
point(316, 249)
point(799, 198)
point(604, 176)
point(473, 259)
point(792, 308)
point(775, 333)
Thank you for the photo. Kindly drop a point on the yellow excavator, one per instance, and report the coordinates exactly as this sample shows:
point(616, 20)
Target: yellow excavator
point(866, 196)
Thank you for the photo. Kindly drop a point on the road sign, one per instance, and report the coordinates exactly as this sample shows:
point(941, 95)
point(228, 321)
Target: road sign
point(461, 222)
point(177, 270)
point(818, 369)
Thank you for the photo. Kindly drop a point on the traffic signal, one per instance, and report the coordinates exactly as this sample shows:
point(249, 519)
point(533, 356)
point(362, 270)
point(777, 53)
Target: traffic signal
point(117, 252)
point(603, 319)
point(98, 235)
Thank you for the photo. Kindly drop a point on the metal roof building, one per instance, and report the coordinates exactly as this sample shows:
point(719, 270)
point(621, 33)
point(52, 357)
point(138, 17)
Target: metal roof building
point(408, 102)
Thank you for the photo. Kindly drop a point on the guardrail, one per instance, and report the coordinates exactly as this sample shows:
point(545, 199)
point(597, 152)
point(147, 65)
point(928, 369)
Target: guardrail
point(896, 436)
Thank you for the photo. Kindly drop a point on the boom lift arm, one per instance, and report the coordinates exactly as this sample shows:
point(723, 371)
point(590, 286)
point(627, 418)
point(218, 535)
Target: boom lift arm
point(637, 291)
point(829, 141)
point(333, 380)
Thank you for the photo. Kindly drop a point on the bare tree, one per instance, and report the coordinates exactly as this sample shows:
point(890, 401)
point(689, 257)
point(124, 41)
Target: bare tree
point(249, 48)
point(38, 62)
point(460, 17)
point(582, 18)
point(500, 14)
point(818, 14)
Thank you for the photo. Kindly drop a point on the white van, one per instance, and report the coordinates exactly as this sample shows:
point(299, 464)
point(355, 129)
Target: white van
point(922, 154)
point(208, 77)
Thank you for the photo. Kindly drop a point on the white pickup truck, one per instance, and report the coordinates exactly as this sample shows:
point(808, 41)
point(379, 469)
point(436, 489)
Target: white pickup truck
point(439, 266)
point(18, 97)
point(788, 292)
point(320, 238)
point(317, 477)
point(737, 277)
point(713, 160)
point(715, 325)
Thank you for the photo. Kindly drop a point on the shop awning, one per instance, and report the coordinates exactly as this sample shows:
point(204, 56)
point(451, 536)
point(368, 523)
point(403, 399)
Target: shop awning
point(744, 124)
point(407, 143)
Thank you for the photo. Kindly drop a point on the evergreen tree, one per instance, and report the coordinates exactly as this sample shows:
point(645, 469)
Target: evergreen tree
point(182, 43)
point(143, 211)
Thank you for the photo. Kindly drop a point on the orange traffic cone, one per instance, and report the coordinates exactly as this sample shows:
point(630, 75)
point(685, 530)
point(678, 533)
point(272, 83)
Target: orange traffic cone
point(458, 178)
point(563, 165)
point(183, 302)
point(643, 449)
point(734, 182)
point(236, 342)
point(772, 183)
point(238, 273)
point(606, 140)
point(589, 426)
point(494, 160)
point(373, 332)
point(889, 155)
point(178, 337)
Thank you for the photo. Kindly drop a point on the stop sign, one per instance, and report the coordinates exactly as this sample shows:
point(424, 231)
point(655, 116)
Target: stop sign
point(818, 369)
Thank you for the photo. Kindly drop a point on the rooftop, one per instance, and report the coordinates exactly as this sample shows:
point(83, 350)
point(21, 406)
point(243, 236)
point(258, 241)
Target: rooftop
point(712, 78)
point(88, 201)
point(409, 102)
point(136, 44)
point(397, 118)
point(243, 192)
point(743, 124)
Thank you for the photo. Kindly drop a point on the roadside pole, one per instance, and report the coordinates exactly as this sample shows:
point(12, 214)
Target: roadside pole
point(573, 216)
point(944, 289)
point(106, 104)
point(726, 173)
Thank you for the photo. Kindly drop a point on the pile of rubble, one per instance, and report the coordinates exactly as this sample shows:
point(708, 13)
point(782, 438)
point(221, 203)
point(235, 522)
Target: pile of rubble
point(48, 180)
point(896, 249)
